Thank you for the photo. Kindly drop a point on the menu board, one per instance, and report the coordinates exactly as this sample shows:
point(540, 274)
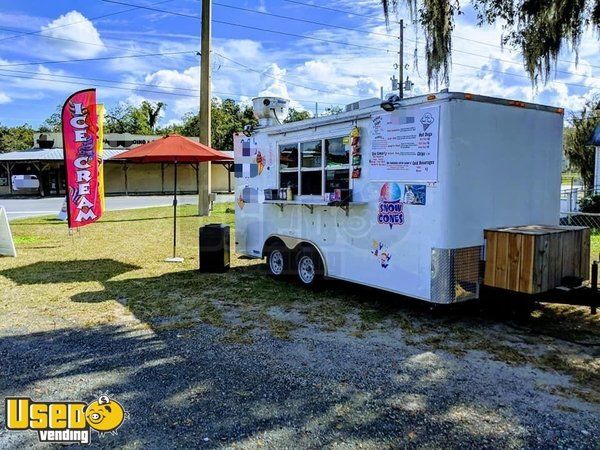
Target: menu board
point(404, 145)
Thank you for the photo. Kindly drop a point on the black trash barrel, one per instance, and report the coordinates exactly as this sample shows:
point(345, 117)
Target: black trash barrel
point(214, 248)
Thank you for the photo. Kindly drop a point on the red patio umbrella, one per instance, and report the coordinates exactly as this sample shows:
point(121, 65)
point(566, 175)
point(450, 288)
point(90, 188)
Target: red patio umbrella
point(174, 149)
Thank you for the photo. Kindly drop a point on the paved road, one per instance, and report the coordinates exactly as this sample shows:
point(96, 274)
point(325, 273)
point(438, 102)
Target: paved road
point(31, 207)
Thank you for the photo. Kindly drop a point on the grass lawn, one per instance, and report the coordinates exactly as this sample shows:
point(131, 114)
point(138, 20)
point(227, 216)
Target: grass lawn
point(114, 271)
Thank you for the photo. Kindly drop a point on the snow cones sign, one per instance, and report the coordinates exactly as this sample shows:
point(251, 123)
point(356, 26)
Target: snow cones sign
point(82, 159)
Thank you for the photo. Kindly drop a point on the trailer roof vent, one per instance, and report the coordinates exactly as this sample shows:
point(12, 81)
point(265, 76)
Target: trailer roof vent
point(362, 104)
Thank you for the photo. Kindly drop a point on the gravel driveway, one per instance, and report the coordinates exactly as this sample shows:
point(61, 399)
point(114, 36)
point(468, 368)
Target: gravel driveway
point(241, 360)
point(191, 388)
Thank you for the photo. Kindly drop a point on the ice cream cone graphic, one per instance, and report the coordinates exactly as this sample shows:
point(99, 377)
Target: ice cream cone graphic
point(241, 202)
point(260, 161)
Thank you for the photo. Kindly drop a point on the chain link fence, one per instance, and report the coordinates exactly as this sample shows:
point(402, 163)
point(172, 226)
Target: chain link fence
point(570, 213)
point(591, 220)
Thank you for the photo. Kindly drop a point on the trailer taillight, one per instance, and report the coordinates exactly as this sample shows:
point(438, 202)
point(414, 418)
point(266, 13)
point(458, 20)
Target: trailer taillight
point(560, 110)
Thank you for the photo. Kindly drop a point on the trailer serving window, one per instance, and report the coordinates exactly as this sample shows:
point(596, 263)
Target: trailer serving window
point(315, 167)
point(337, 160)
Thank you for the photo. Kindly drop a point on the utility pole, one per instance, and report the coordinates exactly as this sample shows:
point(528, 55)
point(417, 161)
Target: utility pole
point(401, 59)
point(204, 187)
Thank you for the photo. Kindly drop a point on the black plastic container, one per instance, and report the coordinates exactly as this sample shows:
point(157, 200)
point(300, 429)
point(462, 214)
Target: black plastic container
point(214, 252)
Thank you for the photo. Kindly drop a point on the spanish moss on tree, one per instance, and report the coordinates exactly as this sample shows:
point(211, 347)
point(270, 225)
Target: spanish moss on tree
point(537, 28)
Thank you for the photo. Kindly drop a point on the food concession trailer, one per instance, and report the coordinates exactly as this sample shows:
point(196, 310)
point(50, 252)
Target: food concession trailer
point(403, 196)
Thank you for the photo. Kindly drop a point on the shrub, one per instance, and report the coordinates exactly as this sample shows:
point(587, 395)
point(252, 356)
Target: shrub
point(590, 204)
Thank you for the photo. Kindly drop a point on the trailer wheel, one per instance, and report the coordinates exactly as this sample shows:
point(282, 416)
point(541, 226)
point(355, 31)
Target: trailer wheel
point(309, 267)
point(278, 261)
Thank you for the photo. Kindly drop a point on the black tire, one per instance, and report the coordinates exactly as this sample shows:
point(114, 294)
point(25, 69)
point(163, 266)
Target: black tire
point(278, 261)
point(309, 267)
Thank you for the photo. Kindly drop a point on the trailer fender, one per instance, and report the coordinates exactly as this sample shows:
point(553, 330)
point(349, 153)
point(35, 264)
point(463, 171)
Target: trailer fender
point(294, 244)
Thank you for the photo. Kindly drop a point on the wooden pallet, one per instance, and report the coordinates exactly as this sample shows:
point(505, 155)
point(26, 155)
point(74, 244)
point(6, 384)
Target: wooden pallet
point(533, 259)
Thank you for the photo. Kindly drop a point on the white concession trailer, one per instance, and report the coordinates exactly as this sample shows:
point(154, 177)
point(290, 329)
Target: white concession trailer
point(397, 199)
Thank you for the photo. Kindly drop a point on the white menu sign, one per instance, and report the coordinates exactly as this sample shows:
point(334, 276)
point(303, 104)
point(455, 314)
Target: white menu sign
point(404, 145)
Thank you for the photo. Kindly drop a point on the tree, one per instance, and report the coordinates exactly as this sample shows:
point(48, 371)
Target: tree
point(333, 110)
point(539, 28)
point(581, 155)
point(150, 112)
point(15, 138)
point(228, 117)
point(295, 115)
point(53, 123)
point(127, 118)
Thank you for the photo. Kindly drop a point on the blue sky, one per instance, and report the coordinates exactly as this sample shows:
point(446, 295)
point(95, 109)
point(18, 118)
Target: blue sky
point(247, 62)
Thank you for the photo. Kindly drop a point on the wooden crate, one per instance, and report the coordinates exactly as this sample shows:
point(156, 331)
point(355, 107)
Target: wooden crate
point(534, 258)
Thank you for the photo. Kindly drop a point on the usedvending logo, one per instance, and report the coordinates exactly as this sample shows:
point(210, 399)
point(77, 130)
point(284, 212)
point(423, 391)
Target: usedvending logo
point(390, 205)
point(65, 422)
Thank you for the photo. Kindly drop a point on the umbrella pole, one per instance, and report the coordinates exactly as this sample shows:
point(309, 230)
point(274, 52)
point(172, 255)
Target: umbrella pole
point(175, 258)
point(175, 213)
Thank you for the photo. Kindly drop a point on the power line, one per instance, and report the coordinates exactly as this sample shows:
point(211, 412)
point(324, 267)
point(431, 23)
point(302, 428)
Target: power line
point(224, 93)
point(272, 31)
point(519, 64)
point(328, 8)
point(150, 54)
point(79, 21)
point(36, 76)
point(515, 74)
point(291, 18)
point(77, 41)
point(296, 19)
point(104, 58)
point(102, 80)
point(315, 38)
point(380, 34)
point(397, 22)
point(264, 30)
point(279, 79)
point(82, 84)
point(149, 8)
point(176, 88)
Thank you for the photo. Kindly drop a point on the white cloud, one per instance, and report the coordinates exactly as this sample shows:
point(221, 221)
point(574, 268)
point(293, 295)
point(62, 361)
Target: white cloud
point(74, 26)
point(173, 123)
point(172, 79)
point(4, 98)
point(15, 19)
point(318, 70)
point(134, 100)
point(367, 87)
point(309, 71)
point(242, 50)
point(272, 82)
